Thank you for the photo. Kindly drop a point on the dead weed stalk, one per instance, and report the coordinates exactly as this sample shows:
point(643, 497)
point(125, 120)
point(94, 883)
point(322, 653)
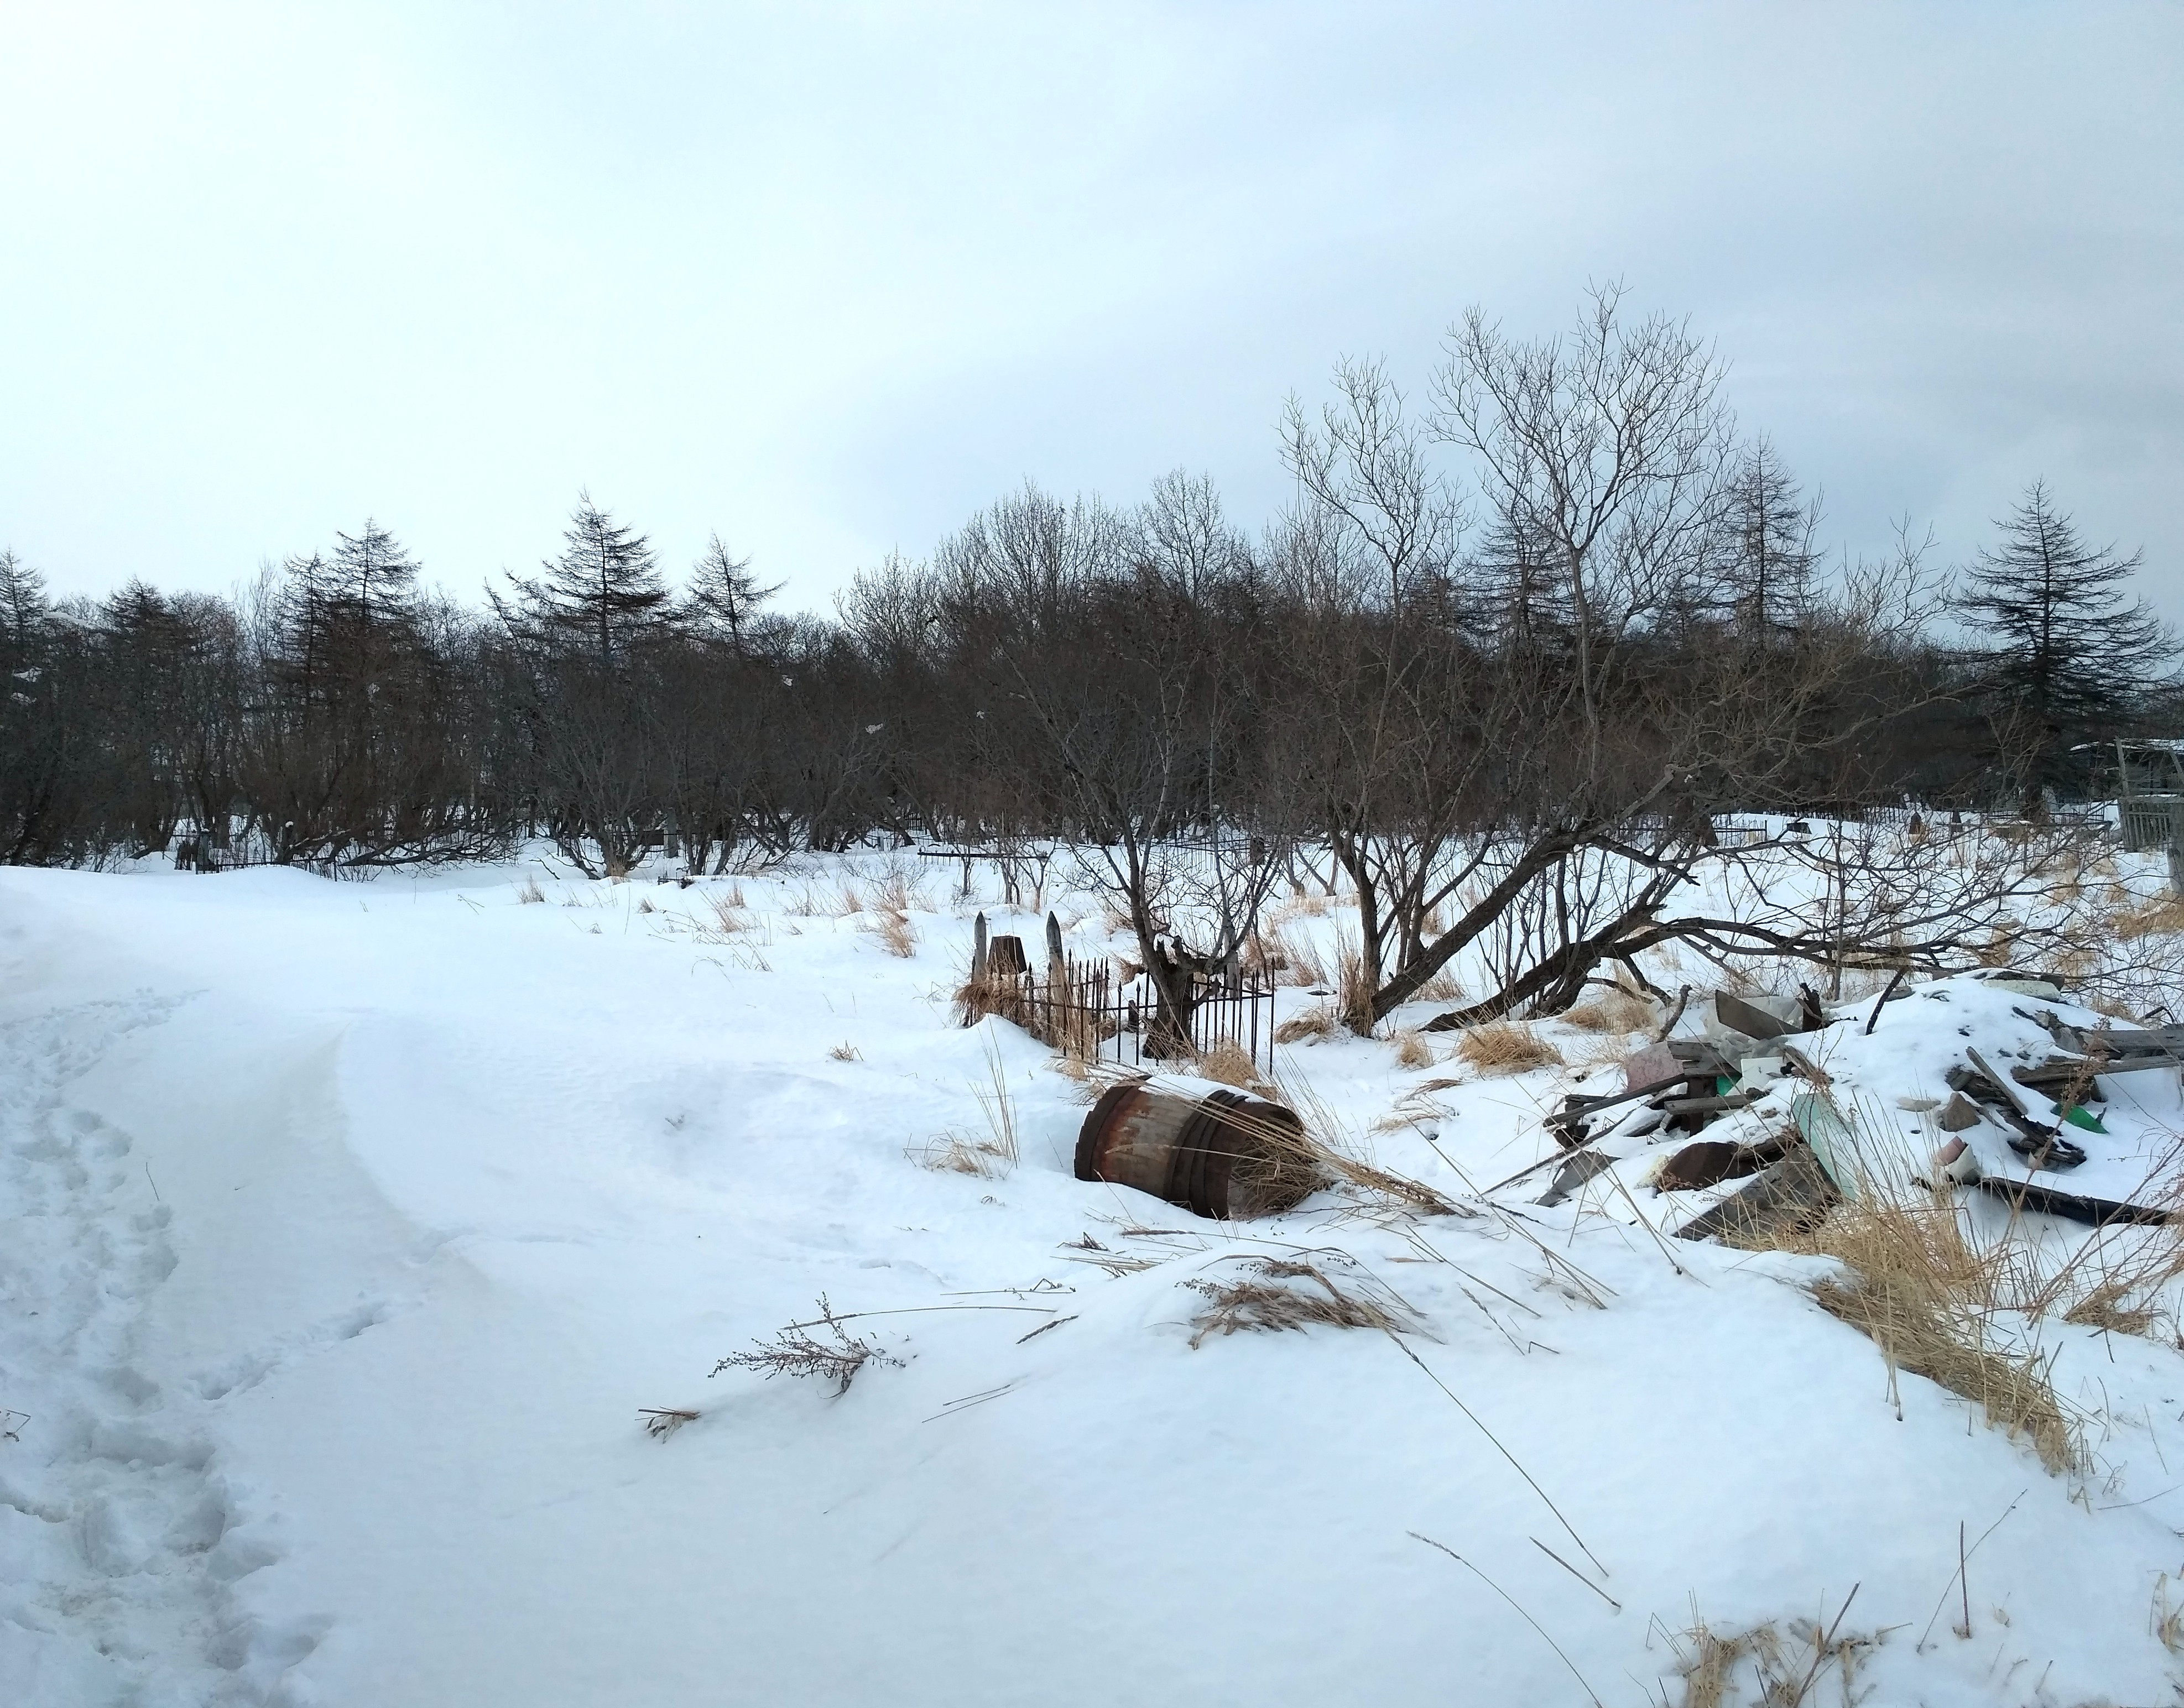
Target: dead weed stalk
point(795, 1350)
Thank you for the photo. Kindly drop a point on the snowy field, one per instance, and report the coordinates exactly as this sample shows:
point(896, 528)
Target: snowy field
point(347, 1230)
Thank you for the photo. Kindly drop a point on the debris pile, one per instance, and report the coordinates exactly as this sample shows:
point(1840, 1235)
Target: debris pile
point(1994, 1084)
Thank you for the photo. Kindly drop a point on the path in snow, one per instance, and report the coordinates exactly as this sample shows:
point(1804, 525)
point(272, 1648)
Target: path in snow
point(117, 1560)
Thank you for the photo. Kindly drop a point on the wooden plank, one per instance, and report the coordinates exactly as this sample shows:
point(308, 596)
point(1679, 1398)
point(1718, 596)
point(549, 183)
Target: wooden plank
point(1574, 1108)
point(1791, 1194)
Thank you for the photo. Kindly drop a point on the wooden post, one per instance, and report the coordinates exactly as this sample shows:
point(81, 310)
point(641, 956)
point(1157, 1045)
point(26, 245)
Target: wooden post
point(978, 948)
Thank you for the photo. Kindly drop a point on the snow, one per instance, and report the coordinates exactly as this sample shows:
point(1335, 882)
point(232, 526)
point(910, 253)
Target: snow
point(345, 1229)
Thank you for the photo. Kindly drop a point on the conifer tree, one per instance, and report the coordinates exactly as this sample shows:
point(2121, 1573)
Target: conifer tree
point(602, 594)
point(24, 607)
point(372, 578)
point(725, 595)
point(1771, 544)
point(2071, 655)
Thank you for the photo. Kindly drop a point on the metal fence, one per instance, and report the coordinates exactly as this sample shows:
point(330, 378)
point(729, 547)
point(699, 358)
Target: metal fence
point(1084, 1010)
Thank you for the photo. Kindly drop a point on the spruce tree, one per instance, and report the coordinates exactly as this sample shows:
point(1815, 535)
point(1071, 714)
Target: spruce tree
point(1523, 586)
point(1770, 546)
point(2071, 655)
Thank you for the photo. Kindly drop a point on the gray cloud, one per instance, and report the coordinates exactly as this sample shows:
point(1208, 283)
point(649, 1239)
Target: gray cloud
point(827, 279)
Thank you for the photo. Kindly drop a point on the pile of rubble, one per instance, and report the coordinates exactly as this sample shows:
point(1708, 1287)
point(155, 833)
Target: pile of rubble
point(1997, 1084)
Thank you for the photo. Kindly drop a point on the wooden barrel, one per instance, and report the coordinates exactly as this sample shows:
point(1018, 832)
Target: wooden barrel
point(1215, 1152)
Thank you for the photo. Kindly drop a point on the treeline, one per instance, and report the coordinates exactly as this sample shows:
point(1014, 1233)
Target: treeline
point(333, 713)
point(1617, 626)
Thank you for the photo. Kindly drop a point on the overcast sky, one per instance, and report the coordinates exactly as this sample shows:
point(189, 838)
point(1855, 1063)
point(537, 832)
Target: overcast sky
point(827, 279)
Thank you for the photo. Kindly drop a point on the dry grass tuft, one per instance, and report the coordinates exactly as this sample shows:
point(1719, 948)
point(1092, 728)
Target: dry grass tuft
point(994, 993)
point(1319, 1022)
point(1412, 1052)
point(895, 894)
point(1261, 1303)
point(1940, 1303)
point(1056, 1015)
point(644, 904)
point(958, 1152)
point(1506, 1046)
point(1306, 970)
point(1716, 1665)
point(2168, 1622)
point(1093, 1078)
point(1921, 1327)
point(2162, 916)
point(530, 892)
point(1442, 987)
point(2103, 1308)
point(721, 921)
point(1617, 1011)
point(844, 1052)
point(1229, 1063)
point(1328, 1150)
point(1270, 955)
point(994, 1152)
point(896, 934)
point(1354, 987)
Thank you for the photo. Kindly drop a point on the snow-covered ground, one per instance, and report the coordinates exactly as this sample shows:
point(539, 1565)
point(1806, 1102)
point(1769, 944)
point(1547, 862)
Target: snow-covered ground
point(345, 1229)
